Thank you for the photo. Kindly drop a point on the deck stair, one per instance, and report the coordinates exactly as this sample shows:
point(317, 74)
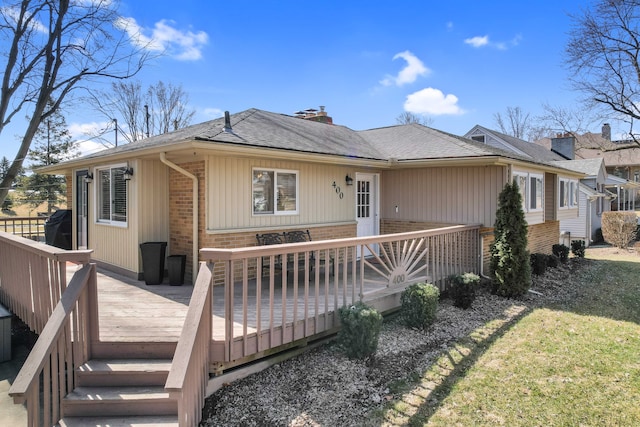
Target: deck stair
point(120, 392)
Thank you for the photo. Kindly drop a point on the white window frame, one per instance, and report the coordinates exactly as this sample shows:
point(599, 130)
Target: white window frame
point(113, 219)
point(525, 192)
point(569, 189)
point(275, 211)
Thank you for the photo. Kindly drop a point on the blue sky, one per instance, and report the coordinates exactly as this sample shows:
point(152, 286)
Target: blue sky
point(457, 62)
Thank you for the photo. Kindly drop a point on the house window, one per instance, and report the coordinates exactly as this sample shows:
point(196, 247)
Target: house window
point(275, 192)
point(531, 190)
point(478, 138)
point(535, 195)
point(568, 193)
point(111, 193)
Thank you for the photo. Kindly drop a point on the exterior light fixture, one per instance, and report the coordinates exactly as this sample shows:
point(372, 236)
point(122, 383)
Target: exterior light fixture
point(348, 180)
point(128, 174)
point(88, 178)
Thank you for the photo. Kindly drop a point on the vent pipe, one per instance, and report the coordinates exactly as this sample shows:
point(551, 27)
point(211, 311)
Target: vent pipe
point(227, 122)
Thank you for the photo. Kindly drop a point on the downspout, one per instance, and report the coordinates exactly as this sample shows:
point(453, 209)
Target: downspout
point(195, 258)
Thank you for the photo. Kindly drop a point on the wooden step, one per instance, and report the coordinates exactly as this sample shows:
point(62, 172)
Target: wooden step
point(123, 372)
point(118, 401)
point(133, 421)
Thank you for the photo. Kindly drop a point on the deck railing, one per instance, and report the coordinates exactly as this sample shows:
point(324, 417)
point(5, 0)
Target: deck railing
point(189, 373)
point(29, 227)
point(33, 285)
point(33, 276)
point(64, 344)
point(298, 292)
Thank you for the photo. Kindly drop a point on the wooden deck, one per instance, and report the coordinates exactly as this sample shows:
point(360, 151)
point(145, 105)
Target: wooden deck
point(132, 311)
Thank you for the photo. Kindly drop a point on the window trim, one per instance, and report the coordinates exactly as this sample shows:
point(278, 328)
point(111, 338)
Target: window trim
point(573, 197)
point(275, 211)
point(526, 192)
point(97, 197)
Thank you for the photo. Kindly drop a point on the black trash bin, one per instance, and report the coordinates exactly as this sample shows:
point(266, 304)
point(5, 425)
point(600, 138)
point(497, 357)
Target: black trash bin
point(57, 229)
point(176, 265)
point(153, 254)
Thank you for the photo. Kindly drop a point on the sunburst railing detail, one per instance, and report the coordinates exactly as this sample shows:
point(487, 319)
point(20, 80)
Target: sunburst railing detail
point(398, 262)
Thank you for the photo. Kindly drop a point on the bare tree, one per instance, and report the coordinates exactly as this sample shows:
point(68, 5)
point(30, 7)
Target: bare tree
point(169, 109)
point(602, 54)
point(48, 48)
point(159, 109)
point(515, 122)
point(407, 118)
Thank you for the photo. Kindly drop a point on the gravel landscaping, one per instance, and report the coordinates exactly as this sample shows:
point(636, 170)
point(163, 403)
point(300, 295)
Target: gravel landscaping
point(322, 387)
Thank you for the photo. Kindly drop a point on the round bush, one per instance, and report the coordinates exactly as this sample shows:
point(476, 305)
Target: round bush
point(419, 303)
point(360, 330)
point(463, 289)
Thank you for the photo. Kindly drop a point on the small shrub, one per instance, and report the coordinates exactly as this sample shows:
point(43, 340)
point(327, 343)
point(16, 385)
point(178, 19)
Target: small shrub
point(619, 228)
point(597, 236)
point(578, 248)
point(463, 289)
point(553, 261)
point(360, 330)
point(419, 303)
point(538, 263)
point(561, 251)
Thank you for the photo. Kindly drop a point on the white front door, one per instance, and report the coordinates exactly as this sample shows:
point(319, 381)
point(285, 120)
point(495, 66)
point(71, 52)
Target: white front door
point(367, 207)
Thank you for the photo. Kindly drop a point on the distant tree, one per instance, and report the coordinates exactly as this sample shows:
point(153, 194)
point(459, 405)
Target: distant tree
point(407, 118)
point(515, 122)
point(52, 144)
point(168, 108)
point(509, 255)
point(127, 103)
point(7, 204)
point(602, 55)
point(47, 48)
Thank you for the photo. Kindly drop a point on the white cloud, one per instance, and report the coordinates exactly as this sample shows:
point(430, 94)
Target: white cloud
point(164, 37)
point(408, 74)
point(433, 102)
point(449, 25)
point(483, 41)
point(212, 113)
point(477, 41)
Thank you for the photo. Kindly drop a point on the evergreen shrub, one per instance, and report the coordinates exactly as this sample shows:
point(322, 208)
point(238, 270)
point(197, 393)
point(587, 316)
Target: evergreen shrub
point(578, 248)
point(463, 289)
point(561, 251)
point(419, 303)
point(538, 263)
point(510, 263)
point(360, 330)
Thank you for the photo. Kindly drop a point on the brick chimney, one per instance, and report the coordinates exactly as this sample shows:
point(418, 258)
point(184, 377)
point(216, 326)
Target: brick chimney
point(565, 145)
point(606, 131)
point(315, 115)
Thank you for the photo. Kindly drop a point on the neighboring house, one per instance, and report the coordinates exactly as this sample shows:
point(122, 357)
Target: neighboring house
point(591, 194)
point(621, 158)
point(593, 199)
point(218, 183)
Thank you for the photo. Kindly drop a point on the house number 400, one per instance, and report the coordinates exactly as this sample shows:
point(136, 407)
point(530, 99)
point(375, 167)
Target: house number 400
point(338, 191)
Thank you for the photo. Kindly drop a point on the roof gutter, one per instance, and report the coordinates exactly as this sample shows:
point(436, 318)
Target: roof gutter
point(194, 179)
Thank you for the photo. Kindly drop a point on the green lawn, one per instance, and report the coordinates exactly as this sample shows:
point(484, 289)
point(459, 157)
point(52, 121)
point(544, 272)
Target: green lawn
point(575, 365)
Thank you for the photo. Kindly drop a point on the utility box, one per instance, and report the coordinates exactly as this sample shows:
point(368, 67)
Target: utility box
point(5, 334)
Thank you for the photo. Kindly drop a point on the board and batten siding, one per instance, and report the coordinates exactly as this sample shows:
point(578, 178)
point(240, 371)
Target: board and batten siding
point(147, 218)
point(229, 194)
point(460, 195)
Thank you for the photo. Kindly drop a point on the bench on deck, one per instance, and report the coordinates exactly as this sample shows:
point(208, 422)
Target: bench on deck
point(295, 236)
